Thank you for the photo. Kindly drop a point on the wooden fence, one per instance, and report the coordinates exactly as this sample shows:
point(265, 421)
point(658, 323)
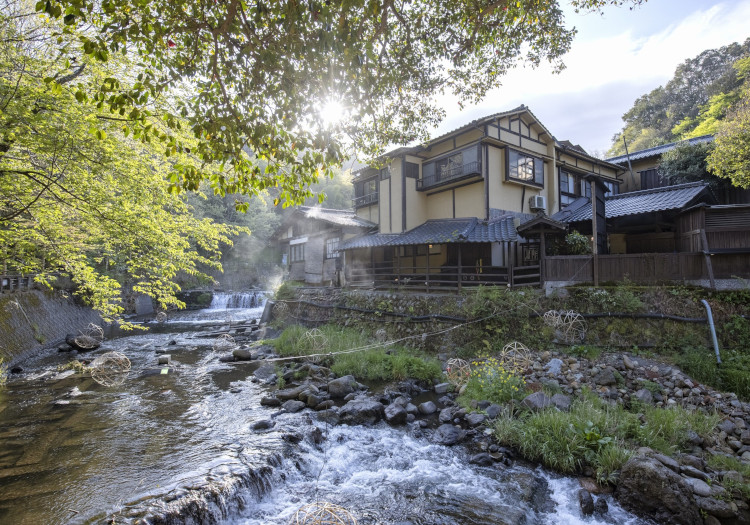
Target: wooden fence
point(646, 267)
point(447, 278)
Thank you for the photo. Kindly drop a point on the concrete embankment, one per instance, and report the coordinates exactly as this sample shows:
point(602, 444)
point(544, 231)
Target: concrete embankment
point(32, 320)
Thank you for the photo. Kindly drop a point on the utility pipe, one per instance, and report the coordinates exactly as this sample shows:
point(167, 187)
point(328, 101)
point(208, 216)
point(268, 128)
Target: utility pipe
point(713, 330)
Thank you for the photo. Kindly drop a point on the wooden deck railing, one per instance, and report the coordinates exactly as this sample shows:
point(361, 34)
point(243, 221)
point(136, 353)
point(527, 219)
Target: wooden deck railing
point(422, 278)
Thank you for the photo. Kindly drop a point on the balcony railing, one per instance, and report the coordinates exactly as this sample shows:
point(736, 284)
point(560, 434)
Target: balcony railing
point(365, 200)
point(447, 174)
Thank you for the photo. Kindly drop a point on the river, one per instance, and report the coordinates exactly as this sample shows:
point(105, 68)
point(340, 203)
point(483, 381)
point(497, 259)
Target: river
point(73, 451)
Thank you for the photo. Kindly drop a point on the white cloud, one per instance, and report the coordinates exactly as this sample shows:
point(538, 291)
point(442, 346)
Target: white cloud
point(605, 73)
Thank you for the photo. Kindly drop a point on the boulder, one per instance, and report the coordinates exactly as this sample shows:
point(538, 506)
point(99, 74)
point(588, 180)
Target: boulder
point(586, 501)
point(718, 508)
point(427, 408)
point(493, 411)
point(561, 401)
point(606, 377)
point(447, 414)
point(262, 424)
point(536, 401)
point(644, 396)
point(648, 487)
point(242, 354)
point(448, 435)
point(483, 459)
point(361, 412)
point(293, 405)
point(395, 414)
point(475, 419)
point(291, 393)
point(442, 388)
point(601, 506)
point(87, 343)
point(342, 386)
point(270, 401)
point(554, 366)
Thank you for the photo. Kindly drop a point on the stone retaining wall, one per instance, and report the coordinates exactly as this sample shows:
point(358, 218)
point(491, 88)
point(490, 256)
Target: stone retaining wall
point(32, 320)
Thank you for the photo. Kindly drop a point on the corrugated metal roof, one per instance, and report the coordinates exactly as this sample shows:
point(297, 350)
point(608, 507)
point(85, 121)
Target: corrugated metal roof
point(337, 217)
point(441, 231)
point(658, 150)
point(635, 202)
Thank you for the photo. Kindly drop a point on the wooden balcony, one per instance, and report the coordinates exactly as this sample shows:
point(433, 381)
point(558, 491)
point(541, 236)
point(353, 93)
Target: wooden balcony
point(450, 174)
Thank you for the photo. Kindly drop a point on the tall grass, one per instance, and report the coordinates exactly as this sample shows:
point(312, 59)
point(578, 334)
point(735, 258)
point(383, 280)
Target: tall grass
point(597, 434)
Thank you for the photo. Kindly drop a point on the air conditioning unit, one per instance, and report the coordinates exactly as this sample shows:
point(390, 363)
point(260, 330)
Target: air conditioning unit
point(537, 203)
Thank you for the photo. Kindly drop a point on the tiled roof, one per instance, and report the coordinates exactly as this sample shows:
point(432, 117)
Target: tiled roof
point(635, 202)
point(337, 217)
point(658, 150)
point(440, 231)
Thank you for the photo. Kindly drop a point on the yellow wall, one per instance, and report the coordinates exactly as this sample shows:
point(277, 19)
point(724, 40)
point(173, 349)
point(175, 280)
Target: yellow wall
point(385, 205)
point(440, 205)
point(470, 201)
point(416, 205)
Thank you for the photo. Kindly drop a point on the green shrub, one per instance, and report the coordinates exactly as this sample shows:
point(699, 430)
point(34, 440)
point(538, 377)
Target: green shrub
point(491, 381)
point(735, 333)
point(287, 291)
point(733, 375)
point(204, 299)
point(577, 244)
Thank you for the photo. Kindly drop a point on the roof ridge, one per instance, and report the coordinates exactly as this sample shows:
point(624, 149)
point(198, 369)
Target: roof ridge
point(657, 190)
point(668, 144)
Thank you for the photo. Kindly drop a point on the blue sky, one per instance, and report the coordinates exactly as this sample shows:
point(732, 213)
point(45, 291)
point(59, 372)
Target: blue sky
point(616, 57)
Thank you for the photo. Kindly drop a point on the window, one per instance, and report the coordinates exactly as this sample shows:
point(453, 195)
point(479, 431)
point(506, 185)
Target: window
point(297, 252)
point(524, 168)
point(573, 185)
point(612, 187)
point(385, 173)
point(411, 170)
point(463, 163)
point(332, 248)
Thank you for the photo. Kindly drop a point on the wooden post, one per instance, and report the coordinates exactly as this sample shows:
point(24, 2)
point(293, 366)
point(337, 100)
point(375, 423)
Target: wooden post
point(427, 276)
point(511, 258)
point(459, 267)
point(707, 255)
point(542, 251)
point(595, 234)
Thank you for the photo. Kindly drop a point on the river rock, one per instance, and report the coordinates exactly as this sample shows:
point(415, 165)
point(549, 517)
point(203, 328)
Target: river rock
point(648, 487)
point(718, 508)
point(606, 377)
point(554, 366)
point(483, 459)
point(90, 343)
point(262, 424)
point(561, 401)
point(395, 414)
point(448, 435)
point(475, 419)
point(264, 372)
point(342, 386)
point(270, 401)
point(293, 405)
point(427, 408)
point(242, 354)
point(361, 412)
point(493, 411)
point(442, 388)
point(601, 506)
point(291, 393)
point(536, 401)
point(586, 501)
point(700, 487)
point(447, 414)
point(644, 396)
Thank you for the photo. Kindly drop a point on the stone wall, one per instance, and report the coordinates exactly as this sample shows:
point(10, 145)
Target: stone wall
point(30, 321)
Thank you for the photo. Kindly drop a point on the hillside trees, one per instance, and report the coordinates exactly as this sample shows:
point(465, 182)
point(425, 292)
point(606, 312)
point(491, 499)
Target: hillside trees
point(259, 73)
point(78, 196)
point(689, 105)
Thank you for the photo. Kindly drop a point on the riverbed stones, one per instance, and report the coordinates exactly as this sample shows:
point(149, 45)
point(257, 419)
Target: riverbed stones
point(448, 435)
point(265, 371)
point(554, 366)
point(561, 401)
point(242, 354)
point(442, 388)
point(427, 408)
point(447, 414)
point(262, 424)
point(483, 459)
point(395, 414)
point(536, 401)
point(601, 506)
point(475, 419)
point(648, 487)
point(342, 387)
point(361, 412)
point(606, 377)
point(290, 393)
point(644, 396)
point(293, 406)
point(493, 411)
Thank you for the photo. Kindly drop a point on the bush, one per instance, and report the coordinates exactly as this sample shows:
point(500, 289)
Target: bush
point(577, 244)
point(287, 291)
point(489, 380)
point(732, 376)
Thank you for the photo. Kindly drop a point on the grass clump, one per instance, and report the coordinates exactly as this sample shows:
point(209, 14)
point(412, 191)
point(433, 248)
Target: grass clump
point(732, 376)
point(375, 364)
point(287, 291)
point(742, 488)
point(597, 434)
point(379, 365)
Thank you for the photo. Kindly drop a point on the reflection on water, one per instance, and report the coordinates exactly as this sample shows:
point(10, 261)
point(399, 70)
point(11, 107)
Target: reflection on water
point(71, 449)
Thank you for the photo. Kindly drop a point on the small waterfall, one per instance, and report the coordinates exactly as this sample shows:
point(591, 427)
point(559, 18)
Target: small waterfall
point(237, 300)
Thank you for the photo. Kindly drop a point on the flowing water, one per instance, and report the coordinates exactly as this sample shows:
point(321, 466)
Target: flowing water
point(176, 441)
